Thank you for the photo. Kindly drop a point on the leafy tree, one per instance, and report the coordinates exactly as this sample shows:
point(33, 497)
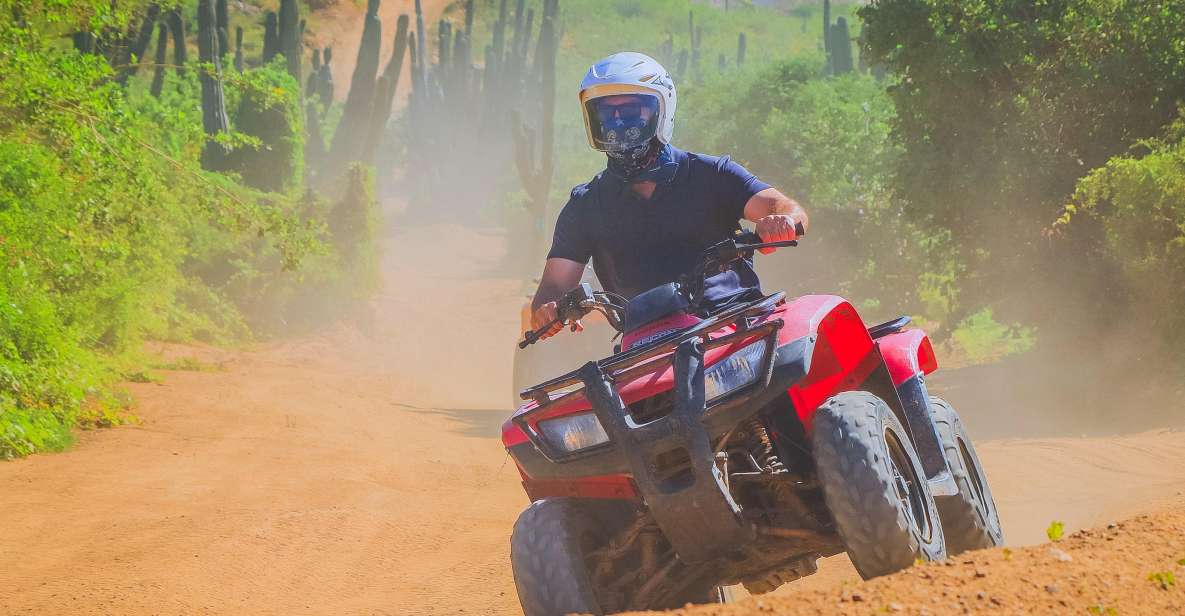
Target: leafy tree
point(1139, 199)
point(1001, 106)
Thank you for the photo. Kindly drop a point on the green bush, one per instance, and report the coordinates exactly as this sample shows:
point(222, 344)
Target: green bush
point(980, 339)
point(269, 110)
point(1139, 201)
point(110, 231)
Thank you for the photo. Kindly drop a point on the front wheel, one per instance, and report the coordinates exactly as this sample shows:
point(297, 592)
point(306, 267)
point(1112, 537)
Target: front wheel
point(548, 555)
point(969, 519)
point(874, 485)
point(556, 553)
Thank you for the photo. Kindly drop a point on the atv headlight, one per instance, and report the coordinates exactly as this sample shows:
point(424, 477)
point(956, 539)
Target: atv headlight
point(573, 432)
point(734, 372)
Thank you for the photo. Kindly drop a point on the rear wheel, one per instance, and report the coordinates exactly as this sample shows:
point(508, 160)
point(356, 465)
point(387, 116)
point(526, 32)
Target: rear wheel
point(969, 519)
point(874, 485)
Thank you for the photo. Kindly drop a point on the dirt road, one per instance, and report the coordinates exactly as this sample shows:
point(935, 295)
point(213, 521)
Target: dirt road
point(359, 471)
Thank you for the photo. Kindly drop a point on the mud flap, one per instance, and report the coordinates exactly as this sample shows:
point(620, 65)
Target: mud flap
point(692, 505)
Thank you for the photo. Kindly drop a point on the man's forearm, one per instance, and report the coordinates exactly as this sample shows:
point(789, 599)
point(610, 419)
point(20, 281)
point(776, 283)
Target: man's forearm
point(546, 293)
point(559, 277)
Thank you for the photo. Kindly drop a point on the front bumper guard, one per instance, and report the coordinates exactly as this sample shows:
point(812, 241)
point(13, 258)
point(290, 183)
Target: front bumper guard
point(694, 508)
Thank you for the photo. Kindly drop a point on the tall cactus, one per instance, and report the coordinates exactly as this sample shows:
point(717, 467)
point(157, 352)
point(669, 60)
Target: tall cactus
point(177, 33)
point(421, 42)
point(239, 49)
point(385, 97)
point(271, 36)
point(841, 48)
point(84, 42)
point(497, 47)
point(133, 49)
point(827, 26)
point(162, 50)
point(444, 49)
point(214, 119)
point(465, 58)
point(325, 78)
point(290, 36)
point(144, 37)
point(310, 89)
point(223, 20)
point(349, 140)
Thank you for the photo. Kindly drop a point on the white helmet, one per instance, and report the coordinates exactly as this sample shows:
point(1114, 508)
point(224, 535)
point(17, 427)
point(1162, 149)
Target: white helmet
point(627, 74)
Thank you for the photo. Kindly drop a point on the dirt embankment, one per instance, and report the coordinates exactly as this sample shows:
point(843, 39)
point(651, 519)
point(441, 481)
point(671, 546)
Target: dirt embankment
point(1132, 567)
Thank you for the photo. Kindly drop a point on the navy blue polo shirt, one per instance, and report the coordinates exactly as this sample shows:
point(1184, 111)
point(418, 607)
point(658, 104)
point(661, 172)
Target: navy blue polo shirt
point(637, 244)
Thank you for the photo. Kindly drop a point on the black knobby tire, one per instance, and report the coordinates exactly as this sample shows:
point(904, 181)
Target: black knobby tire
point(970, 520)
point(874, 485)
point(548, 551)
point(547, 555)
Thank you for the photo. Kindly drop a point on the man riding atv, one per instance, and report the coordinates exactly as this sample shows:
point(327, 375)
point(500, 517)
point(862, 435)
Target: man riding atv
point(646, 218)
point(732, 437)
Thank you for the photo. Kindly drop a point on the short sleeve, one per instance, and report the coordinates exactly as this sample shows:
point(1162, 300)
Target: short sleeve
point(735, 185)
point(571, 239)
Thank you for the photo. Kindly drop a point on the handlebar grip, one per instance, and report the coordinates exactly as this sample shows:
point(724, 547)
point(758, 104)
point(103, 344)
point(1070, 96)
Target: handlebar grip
point(532, 336)
point(751, 237)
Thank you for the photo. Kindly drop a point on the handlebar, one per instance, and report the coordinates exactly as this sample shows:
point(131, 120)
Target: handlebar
point(578, 302)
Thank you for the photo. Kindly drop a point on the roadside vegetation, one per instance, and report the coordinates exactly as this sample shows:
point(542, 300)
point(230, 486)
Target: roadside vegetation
point(112, 232)
point(1011, 174)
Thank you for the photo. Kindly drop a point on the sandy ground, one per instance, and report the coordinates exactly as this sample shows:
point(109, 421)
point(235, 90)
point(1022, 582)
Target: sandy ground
point(359, 471)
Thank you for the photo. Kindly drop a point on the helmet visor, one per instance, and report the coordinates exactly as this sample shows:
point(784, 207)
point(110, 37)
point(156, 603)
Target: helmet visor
point(621, 122)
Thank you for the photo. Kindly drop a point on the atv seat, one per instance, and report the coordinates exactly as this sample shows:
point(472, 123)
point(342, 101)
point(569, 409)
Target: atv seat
point(888, 327)
point(652, 305)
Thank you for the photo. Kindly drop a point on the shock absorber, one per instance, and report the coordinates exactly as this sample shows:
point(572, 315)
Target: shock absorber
point(763, 448)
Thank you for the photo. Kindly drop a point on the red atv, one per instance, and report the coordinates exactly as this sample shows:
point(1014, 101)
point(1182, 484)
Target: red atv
point(735, 447)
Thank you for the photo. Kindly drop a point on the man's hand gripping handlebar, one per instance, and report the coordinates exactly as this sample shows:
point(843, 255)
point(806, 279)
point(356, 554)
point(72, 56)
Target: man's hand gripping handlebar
point(573, 306)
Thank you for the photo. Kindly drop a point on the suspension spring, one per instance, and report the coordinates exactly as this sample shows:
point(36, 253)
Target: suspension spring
point(763, 448)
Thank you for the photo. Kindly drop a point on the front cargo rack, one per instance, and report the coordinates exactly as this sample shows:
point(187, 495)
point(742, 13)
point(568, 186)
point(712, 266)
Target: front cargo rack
point(635, 362)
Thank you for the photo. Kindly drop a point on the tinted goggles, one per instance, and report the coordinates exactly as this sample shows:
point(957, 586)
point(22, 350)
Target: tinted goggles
point(622, 122)
point(608, 109)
